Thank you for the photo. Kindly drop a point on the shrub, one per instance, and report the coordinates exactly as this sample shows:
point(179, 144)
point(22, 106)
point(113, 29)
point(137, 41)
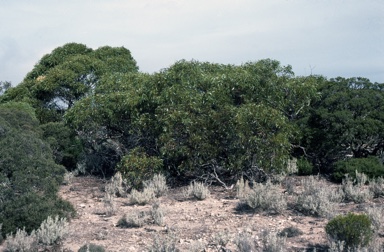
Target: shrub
point(165, 243)
point(115, 185)
point(356, 192)
point(266, 197)
point(290, 232)
point(137, 167)
point(21, 242)
point(91, 248)
point(196, 190)
point(141, 198)
point(157, 213)
point(1, 236)
point(158, 184)
point(242, 188)
point(376, 214)
point(52, 231)
point(317, 199)
point(376, 186)
point(221, 239)
point(133, 220)
point(273, 242)
point(245, 242)
point(304, 167)
point(353, 229)
point(371, 166)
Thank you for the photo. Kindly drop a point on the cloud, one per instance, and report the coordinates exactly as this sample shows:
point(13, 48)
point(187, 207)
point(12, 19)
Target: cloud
point(337, 37)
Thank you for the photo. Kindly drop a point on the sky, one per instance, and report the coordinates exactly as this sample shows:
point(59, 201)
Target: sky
point(323, 37)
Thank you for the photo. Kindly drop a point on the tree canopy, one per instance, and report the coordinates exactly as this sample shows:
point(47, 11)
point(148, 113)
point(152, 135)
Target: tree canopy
point(93, 111)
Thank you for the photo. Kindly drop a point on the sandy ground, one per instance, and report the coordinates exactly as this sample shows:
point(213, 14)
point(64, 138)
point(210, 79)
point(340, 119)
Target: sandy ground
point(193, 224)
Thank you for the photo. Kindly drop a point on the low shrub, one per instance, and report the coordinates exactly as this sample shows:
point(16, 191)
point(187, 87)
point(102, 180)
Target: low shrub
point(376, 214)
point(353, 229)
point(290, 232)
point(137, 167)
point(317, 199)
point(356, 191)
point(376, 186)
point(304, 167)
point(242, 188)
point(91, 248)
point(141, 198)
point(272, 242)
point(245, 242)
point(21, 242)
point(135, 219)
point(52, 231)
point(266, 197)
point(164, 243)
point(196, 190)
point(158, 184)
point(157, 213)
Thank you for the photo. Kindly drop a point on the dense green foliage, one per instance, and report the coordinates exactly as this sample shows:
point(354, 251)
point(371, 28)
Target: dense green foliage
point(304, 167)
point(29, 176)
point(197, 117)
point(346, 121)
point(354, 229)
point(370, 166)
point(92, 111)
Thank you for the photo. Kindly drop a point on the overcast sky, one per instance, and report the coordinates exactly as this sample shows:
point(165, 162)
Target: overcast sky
point(325, 37)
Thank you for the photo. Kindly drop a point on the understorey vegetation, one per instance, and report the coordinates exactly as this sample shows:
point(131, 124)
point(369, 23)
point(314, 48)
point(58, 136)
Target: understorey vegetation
point(91, 111)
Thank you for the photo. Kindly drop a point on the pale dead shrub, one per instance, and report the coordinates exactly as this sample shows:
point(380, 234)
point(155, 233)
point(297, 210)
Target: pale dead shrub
point(196, 190)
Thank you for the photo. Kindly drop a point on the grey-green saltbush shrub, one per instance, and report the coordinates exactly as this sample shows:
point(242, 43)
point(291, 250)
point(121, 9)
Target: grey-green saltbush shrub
point(134, 219)
point(196, 190)
point(356, 191)
point(158, 184)
point(317, 198)
point(266, 197)
point(272, 242)
point(91, 248)
point(245, 242)
point(376, 186)
point(21, 242)
point(355, 230)
point(141, 198)
point(52, 231)
point(157, 213)
point(164, 243)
